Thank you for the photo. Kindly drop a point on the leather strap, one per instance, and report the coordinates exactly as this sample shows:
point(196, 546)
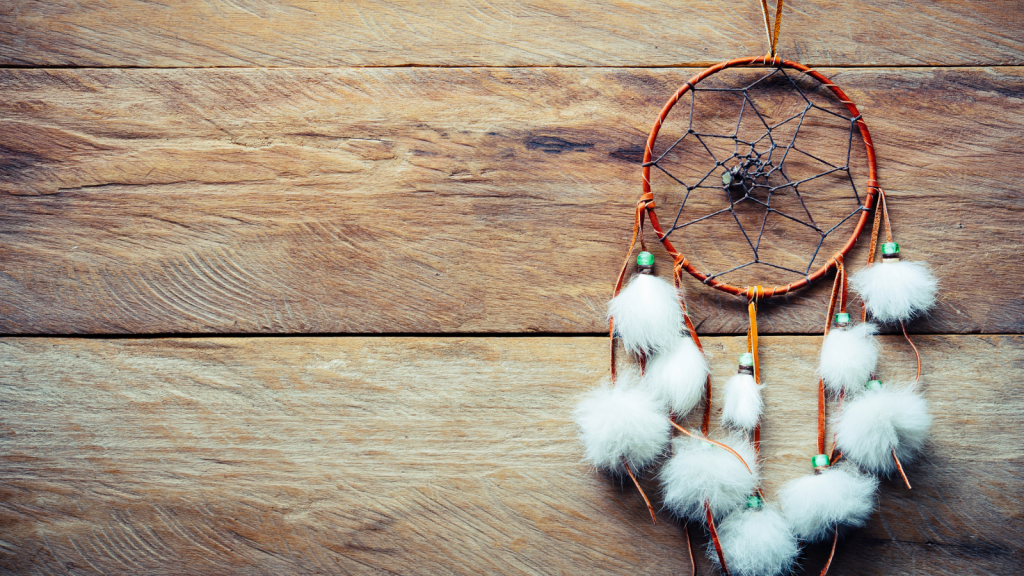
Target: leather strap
point(645, 203)
point(838, 291)
point(641, 490)
point(752, 348)
point(714, 538)
point(677, 277)
point(773, 37)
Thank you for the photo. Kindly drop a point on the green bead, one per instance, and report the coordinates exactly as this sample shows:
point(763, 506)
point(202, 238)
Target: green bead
point(820, 461)
point(874, 385)
point(754, 501)
point(890, 249)
point(746, 359)
point(645, 259)
point(843, 318)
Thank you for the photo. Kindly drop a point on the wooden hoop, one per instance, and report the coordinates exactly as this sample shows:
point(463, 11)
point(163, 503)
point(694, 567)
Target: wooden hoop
point(869, 203)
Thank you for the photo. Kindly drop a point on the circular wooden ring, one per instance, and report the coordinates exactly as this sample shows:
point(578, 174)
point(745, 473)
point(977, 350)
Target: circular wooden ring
point(869, 202)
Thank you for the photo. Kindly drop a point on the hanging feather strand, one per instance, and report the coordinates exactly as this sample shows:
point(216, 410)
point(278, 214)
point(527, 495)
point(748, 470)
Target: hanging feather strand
point(848, 358)
point(646, 314)
point(815, 504)
point(755, 541)
point(879, 422)
point(700, 472)
point(895, 291)
point(741, 402)
point(624, 425)
point(677, 376)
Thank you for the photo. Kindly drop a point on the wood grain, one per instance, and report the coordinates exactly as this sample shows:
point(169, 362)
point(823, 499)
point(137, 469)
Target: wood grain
point(501, 33)
point(438, 456)
point(424, 201)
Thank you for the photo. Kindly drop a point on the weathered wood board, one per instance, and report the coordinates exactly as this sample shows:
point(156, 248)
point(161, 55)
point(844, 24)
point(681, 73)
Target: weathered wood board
point(438, 456)
point(248, 167)
point(501, 33)
point(434, 200)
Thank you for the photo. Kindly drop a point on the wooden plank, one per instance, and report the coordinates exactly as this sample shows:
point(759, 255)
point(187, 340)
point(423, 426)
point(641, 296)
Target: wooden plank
point(438, 455)
point(419, 200)
point(501, 33)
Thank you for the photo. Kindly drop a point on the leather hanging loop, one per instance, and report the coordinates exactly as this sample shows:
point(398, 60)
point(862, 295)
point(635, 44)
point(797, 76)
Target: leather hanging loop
point(773, 35)
point(643, 206)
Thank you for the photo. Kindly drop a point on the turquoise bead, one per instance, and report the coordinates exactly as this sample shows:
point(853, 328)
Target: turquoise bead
point(874, 385)
point(820, 461)
point(843, 318)
point(890, 249)
point(645, 259)
point(754, 501)
point(746, 359)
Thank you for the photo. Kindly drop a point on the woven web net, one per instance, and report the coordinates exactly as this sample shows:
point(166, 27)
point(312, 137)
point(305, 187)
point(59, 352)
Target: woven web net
point(759, 169)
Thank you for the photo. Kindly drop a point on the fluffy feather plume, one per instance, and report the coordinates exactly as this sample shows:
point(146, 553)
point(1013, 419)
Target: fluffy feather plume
point(756, 542)
point(742, 402)
point(894, 291)
point(622, 422)
point(647, 314)
point(700, 471)
point(814, 504)
point(848, 357)
point(677, 376)
point(877, 422)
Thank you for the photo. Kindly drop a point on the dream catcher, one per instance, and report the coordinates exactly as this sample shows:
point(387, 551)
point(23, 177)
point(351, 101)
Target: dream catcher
point(769, 174)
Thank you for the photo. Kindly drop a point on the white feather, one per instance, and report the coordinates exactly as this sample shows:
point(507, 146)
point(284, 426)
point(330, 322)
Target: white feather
point(622, 422)
point(755, 542)
point(677, 376)
point(877, 422)
point(814, 504)
point(741, 402)
point(894, 291)
point(647, 315)
point(848, 357)
point(699, 472)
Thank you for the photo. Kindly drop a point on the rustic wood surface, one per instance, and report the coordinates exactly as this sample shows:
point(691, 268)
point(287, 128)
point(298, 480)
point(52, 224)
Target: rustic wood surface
point(501, 32)
point(434, 200)
point(281, 167)
point(394, 455)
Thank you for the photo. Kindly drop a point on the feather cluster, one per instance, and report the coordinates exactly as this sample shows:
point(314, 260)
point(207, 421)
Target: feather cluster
point(815, 504)
point(878, 422)
point(896, 291)
point(647, 315)
point(700, 472)
point(624, 423)
point(741, 402)
point(677, 375)
point(848, 357)
point(756, 542)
